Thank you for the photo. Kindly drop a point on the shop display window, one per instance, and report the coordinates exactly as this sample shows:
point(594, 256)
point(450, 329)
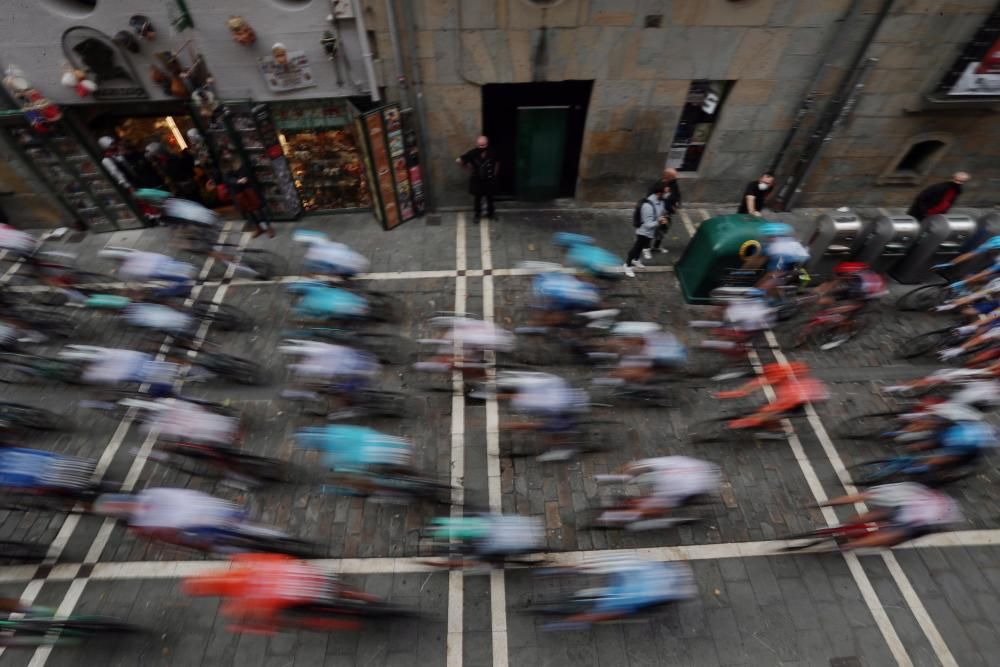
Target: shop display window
point(319, 142)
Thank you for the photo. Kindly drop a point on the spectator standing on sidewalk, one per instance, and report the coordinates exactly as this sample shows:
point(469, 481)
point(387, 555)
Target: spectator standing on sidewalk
point(649, 215)
point(755, 195)
point(483, 167)
point(938, 198)
point(671, 203)
point(249, 203)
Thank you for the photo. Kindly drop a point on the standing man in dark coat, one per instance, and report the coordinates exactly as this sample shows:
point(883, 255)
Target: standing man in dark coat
point(481, 163)
point(938, 198)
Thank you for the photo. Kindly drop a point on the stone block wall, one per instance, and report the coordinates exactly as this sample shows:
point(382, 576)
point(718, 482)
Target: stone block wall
point(772, 51)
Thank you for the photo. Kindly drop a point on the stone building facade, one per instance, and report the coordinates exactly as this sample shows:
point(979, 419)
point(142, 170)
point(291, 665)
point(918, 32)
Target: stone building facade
point(643, 55)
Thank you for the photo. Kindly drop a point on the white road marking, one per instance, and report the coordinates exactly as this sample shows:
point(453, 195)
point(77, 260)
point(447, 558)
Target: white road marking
point(130, 570)
point(688, 225)
point(917, 608)
point(816, 488)
point(41, 655)
point(498, 587)
point(456, 583)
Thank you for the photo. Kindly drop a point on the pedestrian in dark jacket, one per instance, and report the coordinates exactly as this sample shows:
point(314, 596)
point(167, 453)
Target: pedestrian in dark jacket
point(484, 169)
point(246, 198)
point(938, 198)
point(755, 195)
point(671, 202)
point(650, 217)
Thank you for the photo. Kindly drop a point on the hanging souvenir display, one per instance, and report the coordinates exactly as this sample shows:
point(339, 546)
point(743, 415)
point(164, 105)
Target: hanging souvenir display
point(126, 40)
point(38, 110)
point(142, 26)
point(323, 154)
point(78, 80)
point(242, 32)
point(104, 62)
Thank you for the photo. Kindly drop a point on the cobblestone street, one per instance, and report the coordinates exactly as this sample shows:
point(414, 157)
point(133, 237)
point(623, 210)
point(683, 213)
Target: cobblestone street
point(933, 602)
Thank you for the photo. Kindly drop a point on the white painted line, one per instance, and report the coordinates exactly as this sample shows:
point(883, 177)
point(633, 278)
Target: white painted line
point(41, 655)
point(861, 579)
point(917, 608)
point(498, 587)
point(688, 225)
point(456, 583)
point(129, 570)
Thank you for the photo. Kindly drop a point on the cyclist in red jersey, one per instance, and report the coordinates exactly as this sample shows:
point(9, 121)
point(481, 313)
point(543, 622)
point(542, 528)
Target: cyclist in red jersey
point(793, 386)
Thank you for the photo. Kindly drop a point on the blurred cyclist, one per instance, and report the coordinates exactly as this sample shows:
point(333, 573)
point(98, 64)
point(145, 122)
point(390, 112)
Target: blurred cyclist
point(359, 456)
point(330, 258)
point(794, 388)
point(901, 512)
point(463, 345)
point(32, 472)
point(334, 370)
point(594, 261)
point(644, 351)
point(547, 404)
point(112, 367)
point(631, 587)
point(854, 285)
point(141, 267)
point(260, 588)
point(318, 301)
point(559, 295)
point(667, 483)
point(490, 538)
point(784, 255)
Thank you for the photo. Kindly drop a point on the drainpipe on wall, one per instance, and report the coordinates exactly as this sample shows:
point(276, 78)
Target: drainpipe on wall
point(366, 50)
point(812, 93)
point(418, 102)
point(835, 111)
point(397, 53)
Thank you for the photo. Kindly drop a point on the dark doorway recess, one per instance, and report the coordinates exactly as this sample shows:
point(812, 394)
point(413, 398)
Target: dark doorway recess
point(501, 102)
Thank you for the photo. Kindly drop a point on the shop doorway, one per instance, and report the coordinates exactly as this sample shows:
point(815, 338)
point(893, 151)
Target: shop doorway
point(155, 150)
point(536, 130)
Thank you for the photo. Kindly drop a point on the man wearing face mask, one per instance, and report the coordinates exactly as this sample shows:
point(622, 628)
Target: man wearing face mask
point(755, 195)
point(481, 163)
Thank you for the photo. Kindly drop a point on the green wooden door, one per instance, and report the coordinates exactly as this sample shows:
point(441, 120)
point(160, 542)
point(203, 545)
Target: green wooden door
point(541, 143)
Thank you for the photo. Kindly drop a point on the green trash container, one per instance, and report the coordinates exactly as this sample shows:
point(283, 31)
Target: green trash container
point(717, 255)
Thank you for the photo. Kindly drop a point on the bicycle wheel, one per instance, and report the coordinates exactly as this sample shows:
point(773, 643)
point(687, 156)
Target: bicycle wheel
point(229, 367)
point(388, 348)
point(49, 322)
point(31, 417)
point(923, 343)
point(280, 544)
point(261, 468)
point(264, 263)
point(383, 307)
point(833, 336)
point(224, 316)
point(879, 471)
point(923, 298)
point(864, 427)
point(192, 461)
point(709, 430)
point(808, 540)
point(385, 403)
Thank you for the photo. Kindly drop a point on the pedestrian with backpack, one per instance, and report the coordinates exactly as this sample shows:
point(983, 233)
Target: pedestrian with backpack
point(646, 218)
point(671, 202)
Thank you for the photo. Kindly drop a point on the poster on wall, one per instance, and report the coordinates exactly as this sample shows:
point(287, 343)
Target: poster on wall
point(976, 73)
point(285, 195)
point(413, 165)
point(383, 168)
point(397, 151)
point(286, 70)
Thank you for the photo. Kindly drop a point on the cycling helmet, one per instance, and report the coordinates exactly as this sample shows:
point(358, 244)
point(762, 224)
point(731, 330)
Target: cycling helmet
point(568, 239)
point(775, 229)
point(850, 268)
point(969, 434)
